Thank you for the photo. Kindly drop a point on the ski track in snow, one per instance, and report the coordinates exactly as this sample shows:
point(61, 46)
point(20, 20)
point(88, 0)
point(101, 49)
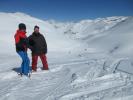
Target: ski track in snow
point(58, 83)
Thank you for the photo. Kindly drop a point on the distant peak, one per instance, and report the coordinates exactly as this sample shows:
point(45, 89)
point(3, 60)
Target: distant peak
point(15, 13)
point(20, 14)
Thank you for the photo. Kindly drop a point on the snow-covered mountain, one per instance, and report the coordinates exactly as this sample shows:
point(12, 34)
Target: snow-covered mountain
point(9, 24)
point(117, 40)
point(68, 32)
point(88, 60)
point(88, 28)
point(111, 34)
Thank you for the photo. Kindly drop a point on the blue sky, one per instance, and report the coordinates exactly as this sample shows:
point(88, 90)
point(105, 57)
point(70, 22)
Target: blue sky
point(69, 10)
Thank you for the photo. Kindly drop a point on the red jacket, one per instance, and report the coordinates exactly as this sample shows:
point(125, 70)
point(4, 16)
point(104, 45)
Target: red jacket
point(21, 41)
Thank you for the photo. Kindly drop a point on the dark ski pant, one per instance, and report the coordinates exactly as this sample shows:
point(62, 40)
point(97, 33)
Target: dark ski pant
point(43, 59)
point(25, 66)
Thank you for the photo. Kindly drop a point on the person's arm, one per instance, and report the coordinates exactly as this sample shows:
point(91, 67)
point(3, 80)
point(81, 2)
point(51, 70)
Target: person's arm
point(45, 44)
point(24, 42)
point(30, 42)
point(17, 41)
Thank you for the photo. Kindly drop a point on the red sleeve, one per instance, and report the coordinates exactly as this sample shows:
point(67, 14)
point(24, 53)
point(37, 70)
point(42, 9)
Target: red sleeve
point(17, 39)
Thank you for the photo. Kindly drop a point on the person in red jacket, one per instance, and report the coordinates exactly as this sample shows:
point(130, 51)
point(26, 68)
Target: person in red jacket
point(39, 49)
point(21, 42)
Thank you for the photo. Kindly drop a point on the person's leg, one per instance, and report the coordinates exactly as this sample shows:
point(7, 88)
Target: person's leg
point(34, 62)
point(44, 61)
point(26, 64)
point(21, 54)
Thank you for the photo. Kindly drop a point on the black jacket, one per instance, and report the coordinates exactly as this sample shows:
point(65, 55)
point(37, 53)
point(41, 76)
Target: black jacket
point(38, 43)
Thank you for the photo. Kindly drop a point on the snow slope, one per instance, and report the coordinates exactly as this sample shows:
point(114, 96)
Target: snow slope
point(88, 60)
point(116, 40)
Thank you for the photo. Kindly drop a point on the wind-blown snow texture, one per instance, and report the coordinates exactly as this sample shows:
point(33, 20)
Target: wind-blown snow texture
point(88, 60)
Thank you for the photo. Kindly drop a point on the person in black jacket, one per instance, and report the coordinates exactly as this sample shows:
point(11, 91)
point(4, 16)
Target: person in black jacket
point(39, 48)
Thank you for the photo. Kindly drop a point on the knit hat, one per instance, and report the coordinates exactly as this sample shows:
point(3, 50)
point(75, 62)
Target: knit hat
point(22, 26)
point(36, 27)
